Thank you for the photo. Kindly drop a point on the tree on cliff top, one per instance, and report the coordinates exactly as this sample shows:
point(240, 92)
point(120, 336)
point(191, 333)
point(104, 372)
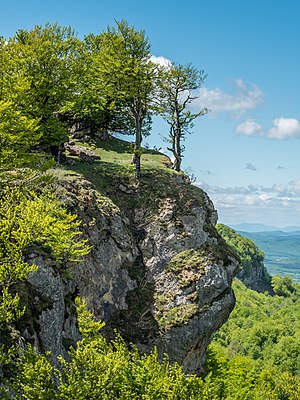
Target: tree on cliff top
point(128, 77)
point(46, 56)
point(177, 86)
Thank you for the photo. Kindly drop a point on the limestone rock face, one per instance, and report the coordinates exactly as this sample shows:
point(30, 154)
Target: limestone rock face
point(256, 278)
point(162, 278)
point(49, 285)
point(169, 233)
point(199, 302)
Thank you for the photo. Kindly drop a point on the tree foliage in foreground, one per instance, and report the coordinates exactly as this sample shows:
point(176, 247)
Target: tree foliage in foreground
point(28, 220)
point(48, 78)
point(39, 73)
point(101, 370)
point(18, 134)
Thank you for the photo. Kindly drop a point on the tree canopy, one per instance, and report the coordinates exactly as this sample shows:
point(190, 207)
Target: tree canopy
point(50, 79)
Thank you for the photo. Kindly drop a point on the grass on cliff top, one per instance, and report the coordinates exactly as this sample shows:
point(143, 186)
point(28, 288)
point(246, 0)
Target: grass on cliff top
point(114, 176)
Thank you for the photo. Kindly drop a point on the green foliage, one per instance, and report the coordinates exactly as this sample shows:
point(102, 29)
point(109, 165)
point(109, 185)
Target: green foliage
point(27, 220)
point(250, 255)
point(96, 102)
point(18, 134)
point(285, 286)
point(45, 59)
point(101, 370)
point(239, 378)
point(264, 328)
point(117, 81)
point(35, 378)
point(86, 322)
point(176, 91)
point(129, 77)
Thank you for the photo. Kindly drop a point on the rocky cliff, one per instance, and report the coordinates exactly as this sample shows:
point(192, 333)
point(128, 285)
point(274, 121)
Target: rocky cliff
point(252, 271)
point(158, 271)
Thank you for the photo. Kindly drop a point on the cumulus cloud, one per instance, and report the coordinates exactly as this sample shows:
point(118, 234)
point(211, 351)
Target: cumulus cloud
point(217, 100)
point(161, 60)
point(283, 128)
point(280, 188)
point(294, 188)
point(289, 190)
point(250, 167)
point(278, 204)
point(249, 127)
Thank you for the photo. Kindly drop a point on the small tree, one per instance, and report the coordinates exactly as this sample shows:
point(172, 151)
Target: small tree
point(177, 86)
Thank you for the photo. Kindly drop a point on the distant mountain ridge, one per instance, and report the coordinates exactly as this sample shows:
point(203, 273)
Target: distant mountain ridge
point(253, 227)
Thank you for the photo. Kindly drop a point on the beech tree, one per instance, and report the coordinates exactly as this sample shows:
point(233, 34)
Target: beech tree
point(177, 90)
point(128, 75)
point(47, 58)
point(18, 134)
point(18, 130)
point(96, 104)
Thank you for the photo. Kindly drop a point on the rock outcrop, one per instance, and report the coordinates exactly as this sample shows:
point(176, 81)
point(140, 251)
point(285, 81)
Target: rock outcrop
point(158, 271)
point(252, 271)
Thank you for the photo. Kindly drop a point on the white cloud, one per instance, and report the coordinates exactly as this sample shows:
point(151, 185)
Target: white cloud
point(294, 187)
point(280, 188)
point(161, 60)
point(276, 205)
point(264, 197)
point(284, 128)
point(248, 127)
point(217, 100)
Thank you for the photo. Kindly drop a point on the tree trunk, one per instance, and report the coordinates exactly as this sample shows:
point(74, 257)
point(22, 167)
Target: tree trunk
point(177, 151)
point(137, 148)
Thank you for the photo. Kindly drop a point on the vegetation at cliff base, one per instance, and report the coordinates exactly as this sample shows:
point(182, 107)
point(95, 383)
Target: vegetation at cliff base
point(252, 270)
point(62, 100)
point(98, 369)
point(264, 329)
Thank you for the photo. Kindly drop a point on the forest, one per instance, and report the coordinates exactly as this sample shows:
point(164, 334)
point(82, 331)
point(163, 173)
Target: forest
point(50, 80)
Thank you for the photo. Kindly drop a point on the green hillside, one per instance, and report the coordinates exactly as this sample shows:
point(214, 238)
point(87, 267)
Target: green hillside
point(282, 251)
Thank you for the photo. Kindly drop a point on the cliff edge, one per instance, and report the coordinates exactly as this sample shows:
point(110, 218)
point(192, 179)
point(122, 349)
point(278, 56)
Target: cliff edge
point(158, 270)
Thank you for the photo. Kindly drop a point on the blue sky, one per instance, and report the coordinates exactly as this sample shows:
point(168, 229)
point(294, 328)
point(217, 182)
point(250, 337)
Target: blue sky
point(245, 153)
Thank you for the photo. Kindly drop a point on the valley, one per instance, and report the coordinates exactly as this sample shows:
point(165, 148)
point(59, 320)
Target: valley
point(282, 251)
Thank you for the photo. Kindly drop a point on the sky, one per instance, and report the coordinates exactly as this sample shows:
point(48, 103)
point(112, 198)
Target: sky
point(245, 152)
